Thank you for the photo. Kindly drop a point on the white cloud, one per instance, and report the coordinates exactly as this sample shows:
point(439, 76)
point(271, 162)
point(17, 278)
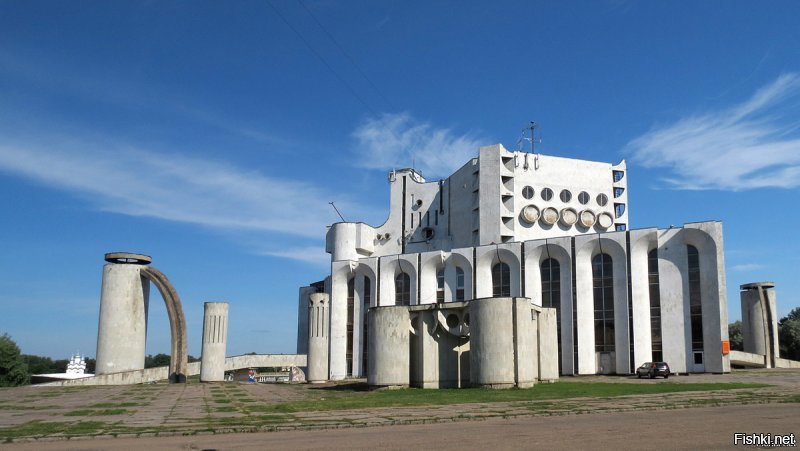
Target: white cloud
point(755, 144)
point(746, 267)
point(396, 140)
point(138, 182)
point(308, 254)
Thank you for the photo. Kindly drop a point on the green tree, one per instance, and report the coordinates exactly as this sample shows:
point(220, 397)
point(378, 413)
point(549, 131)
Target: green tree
point(152, 361)
point(13, 370)
point(735, 336)
point(789, 335)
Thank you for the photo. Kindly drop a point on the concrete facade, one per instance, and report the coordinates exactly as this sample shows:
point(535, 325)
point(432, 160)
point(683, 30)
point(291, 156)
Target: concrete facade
point(760, 321)
point(550, 229)
point(215, 340)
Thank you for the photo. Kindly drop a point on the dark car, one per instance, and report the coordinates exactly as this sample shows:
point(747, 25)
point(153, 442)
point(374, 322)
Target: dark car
point(653, 369)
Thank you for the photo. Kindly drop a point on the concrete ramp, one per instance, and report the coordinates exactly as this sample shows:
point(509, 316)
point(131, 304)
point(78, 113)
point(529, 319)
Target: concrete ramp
point(748, 359)
point(163, 372)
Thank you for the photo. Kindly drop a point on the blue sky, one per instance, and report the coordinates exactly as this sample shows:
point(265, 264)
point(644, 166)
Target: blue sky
point(212, 136)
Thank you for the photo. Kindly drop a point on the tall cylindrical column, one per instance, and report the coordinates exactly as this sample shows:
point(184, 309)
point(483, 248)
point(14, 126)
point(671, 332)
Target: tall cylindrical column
point(122, 329)
point(759, 320)
point(389, 346)
point(492, 342)
point(318, 336)
point(215, 341)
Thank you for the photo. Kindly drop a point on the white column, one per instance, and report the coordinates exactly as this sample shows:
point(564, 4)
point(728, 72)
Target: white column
point(215, 341)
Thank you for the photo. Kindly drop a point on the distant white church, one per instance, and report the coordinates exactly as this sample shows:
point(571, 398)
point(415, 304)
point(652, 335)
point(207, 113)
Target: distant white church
point(522, 225)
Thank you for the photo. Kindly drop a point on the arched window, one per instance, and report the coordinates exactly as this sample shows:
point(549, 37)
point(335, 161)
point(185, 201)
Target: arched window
point(440, 286)
point(695, 299)
point(351, 294)
point(551, 295)
point(402, 289)
point(459, 284)
point(365, 342)
point(501, 280)
point(603, 284)
point(655, 306)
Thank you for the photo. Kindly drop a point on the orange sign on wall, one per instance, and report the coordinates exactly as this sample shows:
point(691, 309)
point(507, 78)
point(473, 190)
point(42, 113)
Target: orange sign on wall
point(726, 347)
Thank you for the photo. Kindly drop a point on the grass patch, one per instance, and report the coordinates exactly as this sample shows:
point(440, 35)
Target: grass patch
point(39, 428)
point(96, 413)
point(420, 397)
point(102, 405)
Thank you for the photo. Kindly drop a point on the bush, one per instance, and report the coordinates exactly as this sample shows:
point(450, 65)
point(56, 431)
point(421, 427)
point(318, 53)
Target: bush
point(13, 370)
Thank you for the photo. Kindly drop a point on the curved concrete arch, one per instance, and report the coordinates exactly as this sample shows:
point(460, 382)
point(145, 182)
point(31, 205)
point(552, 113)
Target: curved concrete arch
point(586, 248)
point(642, 242)
point(179, 358)
point(390, 268)
point(457, 260)
point(430, 264)
point(487, 257)
point(707, 238)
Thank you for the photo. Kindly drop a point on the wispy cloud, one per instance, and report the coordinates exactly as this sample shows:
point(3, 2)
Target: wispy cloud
point(133, 181)
point(396, 140)
point(745, 267)
point(755, 144)
point(308, 254)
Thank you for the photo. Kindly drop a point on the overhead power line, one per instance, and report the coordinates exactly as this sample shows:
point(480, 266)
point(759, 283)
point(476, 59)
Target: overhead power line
point(346, 54)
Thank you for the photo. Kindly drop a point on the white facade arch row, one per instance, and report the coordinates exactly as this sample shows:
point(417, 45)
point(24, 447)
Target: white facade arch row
point(707, 239)
point(536, 253)
point(586, 248)
point(390, 267)
point(642, 242)
point(486, 257)
point(365, 270)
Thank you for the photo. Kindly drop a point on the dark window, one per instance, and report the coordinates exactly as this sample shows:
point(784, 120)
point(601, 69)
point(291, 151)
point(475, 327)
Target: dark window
point(619, 210)
point(583, 197)
point(351, 294)
point(620, 227)
point(402, 289)
point(547, 194)
point(527, 192)
point(695, 300)
point(551, 295)
point(365, 335)
point(618, 191)
point(655, 306)
point(440, 286)
point(603, 284)
point(618, 175)
point(565, 195)
point(602, 200)
point(501, 280)
point(459, 284)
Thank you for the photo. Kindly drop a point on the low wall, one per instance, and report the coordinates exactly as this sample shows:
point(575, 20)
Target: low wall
point(162, 372)
point(748, 359)
point(786, 363)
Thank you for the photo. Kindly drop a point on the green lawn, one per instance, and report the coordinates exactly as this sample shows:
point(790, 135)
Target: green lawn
point(339, 399)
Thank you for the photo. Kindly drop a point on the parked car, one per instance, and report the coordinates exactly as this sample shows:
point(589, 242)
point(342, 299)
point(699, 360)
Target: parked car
point(653, 369)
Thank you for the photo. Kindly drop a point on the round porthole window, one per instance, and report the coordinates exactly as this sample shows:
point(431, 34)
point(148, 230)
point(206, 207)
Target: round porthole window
point(602, 200)
point(583, 198)
point(587, 218)
point(565, 195)
point(604, 220)
point(527, 192)
point(547, 194)
point(568, 216)
point(550, 216)
point(530, 214)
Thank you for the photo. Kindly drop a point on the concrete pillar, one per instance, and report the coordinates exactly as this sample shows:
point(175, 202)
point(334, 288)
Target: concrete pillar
point(548, 345)
point(318, 336)
point(492, 342)
point(425, 353)
point(122, 328)
point(389, 346)
point(526, 343)
point(215, 340)
point(760, 321)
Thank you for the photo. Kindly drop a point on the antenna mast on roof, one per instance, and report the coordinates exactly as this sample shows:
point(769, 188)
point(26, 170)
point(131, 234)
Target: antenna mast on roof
point(531, 128)
point(337, 211)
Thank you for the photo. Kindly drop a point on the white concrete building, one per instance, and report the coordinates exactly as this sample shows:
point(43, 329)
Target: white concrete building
point(551, 229)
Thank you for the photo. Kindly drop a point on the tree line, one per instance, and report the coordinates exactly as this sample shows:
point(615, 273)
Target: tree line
point(17, 368)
